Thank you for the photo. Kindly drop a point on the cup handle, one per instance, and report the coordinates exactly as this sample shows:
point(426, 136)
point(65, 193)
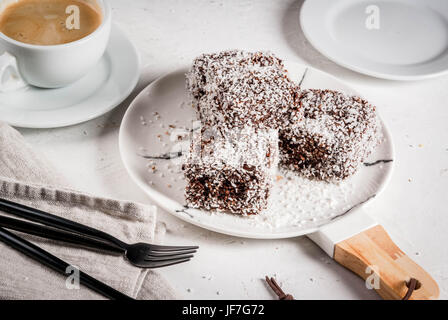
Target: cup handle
point(10, 78)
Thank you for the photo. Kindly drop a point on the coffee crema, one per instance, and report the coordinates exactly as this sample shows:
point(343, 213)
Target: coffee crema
point(44, 22)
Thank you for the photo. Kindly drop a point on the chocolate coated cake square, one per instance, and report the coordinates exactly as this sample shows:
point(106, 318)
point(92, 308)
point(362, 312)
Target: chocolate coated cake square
point(337, 133)
point(231, 170)
point(238, 88)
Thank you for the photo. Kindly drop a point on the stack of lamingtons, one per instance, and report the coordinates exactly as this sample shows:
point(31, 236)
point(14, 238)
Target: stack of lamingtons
point(254, 117)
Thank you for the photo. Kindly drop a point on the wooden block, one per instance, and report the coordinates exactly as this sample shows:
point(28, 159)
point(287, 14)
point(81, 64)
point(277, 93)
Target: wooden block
point(373, 251)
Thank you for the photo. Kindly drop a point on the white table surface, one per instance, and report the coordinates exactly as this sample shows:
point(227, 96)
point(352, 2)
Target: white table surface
point(414, 207)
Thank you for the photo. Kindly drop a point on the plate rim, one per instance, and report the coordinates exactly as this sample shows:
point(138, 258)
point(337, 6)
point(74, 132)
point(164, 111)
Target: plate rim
point(388, 76)
point(161, 199)
point(116, 31)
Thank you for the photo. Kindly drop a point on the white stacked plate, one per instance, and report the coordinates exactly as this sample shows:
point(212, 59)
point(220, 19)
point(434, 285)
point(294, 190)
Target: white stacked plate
point(394, 39)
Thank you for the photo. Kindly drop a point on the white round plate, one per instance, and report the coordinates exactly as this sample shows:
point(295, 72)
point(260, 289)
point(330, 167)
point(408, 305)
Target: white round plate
point(159, 115)
point(101, 90)
point(394, 39)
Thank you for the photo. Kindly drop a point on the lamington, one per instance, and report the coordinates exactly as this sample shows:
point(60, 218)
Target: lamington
point(337, 133)
point(239, 88)
point(231, 170)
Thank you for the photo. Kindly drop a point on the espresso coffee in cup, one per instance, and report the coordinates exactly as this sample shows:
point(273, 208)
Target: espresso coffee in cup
point(50, 43)
point(44, 22)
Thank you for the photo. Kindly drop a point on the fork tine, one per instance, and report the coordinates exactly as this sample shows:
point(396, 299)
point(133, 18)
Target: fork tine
point(169, 253)
point(167, 258)
point(172, 248)
point(160, 264)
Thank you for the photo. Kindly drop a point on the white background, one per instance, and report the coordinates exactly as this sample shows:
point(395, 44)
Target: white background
point(414, 208)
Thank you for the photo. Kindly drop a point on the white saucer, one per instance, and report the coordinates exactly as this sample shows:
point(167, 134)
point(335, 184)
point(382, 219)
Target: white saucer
point(158, 115)
point(409, 41)
point(102, 89)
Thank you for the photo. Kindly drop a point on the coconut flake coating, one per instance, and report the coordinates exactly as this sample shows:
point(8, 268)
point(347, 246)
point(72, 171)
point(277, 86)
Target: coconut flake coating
point(338, 132)
point(231, 170)
point(249, 108)
point(238, 88)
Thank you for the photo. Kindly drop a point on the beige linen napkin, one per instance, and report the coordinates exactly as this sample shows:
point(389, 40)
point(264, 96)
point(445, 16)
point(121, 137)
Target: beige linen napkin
point(26, 178)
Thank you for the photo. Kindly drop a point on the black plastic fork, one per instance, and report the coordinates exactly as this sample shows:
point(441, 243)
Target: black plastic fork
point(143, 255)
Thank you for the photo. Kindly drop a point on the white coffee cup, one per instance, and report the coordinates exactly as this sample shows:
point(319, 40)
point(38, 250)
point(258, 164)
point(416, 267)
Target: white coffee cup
point(51, 66)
